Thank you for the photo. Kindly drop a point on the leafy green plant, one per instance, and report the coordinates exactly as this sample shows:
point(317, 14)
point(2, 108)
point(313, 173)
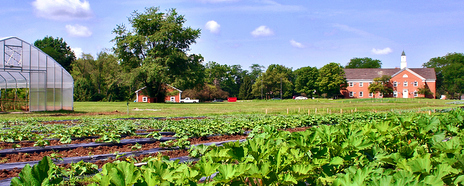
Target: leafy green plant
point(44, 173)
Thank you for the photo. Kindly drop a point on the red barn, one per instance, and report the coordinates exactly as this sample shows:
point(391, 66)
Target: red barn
point(173, 94)
point(405, 81)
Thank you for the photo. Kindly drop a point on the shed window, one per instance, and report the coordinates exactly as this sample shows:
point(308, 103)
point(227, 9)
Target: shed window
point(144, 99)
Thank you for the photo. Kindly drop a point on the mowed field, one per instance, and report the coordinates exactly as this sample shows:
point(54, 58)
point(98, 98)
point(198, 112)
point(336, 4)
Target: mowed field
point(316, 106)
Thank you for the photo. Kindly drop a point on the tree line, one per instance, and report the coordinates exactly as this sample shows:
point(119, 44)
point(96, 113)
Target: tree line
point(154, 51)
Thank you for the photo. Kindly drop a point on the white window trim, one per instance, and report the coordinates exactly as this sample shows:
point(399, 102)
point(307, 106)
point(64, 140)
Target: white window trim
point(361, 84)
point(351, 94)
point(395, 84)
point(361, 94)
point(351, 84)
point(371, 94)
point(405, 83)
point(415, 83)
point(144, 99)
point(395, 94)
point(416, 94)
point(380, 94)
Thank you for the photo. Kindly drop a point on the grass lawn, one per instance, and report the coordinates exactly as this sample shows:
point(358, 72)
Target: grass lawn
point(321, 106)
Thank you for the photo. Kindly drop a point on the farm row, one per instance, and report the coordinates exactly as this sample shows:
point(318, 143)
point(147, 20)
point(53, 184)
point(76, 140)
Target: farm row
point(360, 149)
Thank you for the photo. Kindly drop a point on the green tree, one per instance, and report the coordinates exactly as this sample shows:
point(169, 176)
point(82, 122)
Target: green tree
point(275, 79)
point(99, 79)
point(364, 63)
point(255, 72)
point(449, 70)
point(58, 49)
point(425, 90)
point(306, 80)
point(155, 51)
point(331, 79)
point(382, 85)
point(246, 88)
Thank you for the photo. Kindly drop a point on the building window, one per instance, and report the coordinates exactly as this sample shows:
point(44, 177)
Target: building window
point(351, 94)
point(415, 94)
point(371, 94)
point(405, 84)
point(395, 94)
point(144, 99)
point(380, 94)
point(395, 84)
point(361, 84)
point(360, 94)
point(415, 83)
point(370, 83)
point(351, 84)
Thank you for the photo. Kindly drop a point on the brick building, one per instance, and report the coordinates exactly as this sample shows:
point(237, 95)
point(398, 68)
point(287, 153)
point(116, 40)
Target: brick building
point(172, 95)
point(405, 81)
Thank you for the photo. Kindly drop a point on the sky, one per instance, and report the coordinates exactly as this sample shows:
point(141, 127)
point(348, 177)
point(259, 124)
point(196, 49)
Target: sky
point(293, 33)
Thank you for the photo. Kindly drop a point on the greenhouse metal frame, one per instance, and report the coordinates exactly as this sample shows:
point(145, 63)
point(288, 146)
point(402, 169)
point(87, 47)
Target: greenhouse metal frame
point(23, 65)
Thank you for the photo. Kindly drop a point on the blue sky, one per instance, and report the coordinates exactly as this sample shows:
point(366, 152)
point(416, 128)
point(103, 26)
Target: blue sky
point(292, 33)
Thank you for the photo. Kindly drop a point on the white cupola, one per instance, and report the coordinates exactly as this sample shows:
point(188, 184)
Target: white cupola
point(403, 60)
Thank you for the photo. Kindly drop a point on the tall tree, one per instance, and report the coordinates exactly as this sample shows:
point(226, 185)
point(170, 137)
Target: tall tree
point(306, 80)
point(382, 85)
point(155, 51)
point(331, 79)
point(276, 81)
point(58, 49)
point(449, 70)
point(246, 88)
point(364, 63)
point(256, 70)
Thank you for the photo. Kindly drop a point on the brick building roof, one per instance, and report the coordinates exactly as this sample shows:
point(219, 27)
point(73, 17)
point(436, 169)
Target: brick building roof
point(370, 73)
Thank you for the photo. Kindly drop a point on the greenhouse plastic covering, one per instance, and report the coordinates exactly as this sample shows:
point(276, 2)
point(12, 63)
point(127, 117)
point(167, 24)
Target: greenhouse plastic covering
point(23, 65)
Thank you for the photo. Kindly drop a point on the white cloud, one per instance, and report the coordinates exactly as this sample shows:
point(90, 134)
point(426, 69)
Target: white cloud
point(262, 31)
point(62, 9)
point(213, 26)
point(296, 44)
point(382, 51)
point(77, 52)
point(78, 30)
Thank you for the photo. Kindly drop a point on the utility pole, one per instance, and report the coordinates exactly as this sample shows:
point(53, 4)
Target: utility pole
point(280, 88)
point(261, 87)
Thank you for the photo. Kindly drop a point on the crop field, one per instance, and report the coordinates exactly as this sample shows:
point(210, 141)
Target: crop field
point(317, 106)
point(371, 142)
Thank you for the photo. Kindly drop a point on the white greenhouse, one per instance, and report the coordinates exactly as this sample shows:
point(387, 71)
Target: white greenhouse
point(28, 72)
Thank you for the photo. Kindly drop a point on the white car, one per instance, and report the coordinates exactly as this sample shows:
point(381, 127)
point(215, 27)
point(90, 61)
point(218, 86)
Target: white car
point(300, 98)
point(188, 100)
